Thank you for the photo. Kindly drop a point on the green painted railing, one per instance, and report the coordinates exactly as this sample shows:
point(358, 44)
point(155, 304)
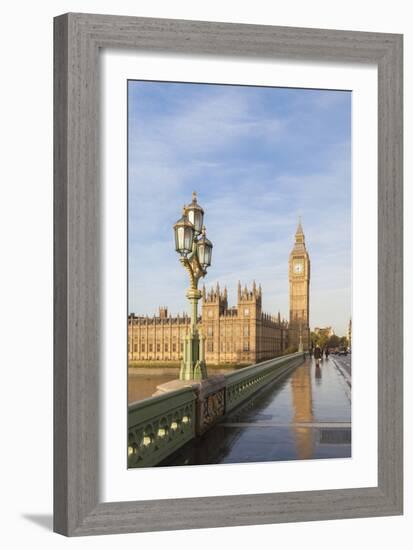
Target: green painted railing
point(243, 383)
point(160, 425)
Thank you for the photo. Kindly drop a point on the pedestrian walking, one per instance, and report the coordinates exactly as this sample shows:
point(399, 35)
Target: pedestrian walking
point(317, 355)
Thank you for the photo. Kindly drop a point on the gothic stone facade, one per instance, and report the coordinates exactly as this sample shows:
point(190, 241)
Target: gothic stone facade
point(242, 334)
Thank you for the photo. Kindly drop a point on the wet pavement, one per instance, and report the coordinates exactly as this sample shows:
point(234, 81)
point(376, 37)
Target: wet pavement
point(344, 361)
point(307, 415)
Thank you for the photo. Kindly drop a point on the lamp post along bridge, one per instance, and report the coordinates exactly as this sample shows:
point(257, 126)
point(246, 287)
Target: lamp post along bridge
point(195, 251)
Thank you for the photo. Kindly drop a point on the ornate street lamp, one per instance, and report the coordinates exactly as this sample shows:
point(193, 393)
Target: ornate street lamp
point(184, 234)
point(204, 250)
point(195, 214)
point(195, 251)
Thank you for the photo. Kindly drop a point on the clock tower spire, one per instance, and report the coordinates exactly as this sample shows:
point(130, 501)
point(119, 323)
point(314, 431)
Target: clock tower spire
point(299, 278)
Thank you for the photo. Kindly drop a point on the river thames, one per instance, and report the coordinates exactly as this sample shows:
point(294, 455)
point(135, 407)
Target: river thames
point(142, 381)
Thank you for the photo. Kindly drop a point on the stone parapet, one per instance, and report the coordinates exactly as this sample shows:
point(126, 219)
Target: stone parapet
point(210, 399)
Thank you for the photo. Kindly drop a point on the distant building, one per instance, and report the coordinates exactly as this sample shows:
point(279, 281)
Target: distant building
point(241, 334)
point(324, 331)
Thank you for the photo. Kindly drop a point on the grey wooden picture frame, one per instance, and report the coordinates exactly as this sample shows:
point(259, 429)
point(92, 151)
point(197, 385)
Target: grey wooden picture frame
point(78, 39)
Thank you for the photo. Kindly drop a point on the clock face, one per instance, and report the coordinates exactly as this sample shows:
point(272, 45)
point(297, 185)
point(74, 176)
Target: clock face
point(298, 267)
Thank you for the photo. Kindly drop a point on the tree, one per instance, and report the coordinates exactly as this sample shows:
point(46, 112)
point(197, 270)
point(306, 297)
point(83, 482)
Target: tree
point(314, 339)
point(333, 341)
point(343, 341)
point(322, 340)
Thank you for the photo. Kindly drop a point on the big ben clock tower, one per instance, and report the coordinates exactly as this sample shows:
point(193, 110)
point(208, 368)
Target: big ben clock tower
point(299, 277)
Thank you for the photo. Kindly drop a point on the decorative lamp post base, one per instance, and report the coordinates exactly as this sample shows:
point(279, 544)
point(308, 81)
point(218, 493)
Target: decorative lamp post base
point(193, 366)
point(193, 372)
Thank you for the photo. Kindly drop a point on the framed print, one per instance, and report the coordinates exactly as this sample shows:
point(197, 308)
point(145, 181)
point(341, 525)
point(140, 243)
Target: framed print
point(238, 360)
point(297, 425)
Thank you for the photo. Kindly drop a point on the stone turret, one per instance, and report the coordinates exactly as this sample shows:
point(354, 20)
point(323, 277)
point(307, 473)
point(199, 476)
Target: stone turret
point(163, 312)
point(214, 300)
point(249, 301)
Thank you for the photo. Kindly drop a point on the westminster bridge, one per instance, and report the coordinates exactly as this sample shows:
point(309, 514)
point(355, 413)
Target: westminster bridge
point(283, 409)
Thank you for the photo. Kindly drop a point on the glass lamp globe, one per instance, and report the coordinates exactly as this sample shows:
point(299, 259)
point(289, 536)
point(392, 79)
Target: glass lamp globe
point(195, 214)
point(204, 250)
point(184, 235)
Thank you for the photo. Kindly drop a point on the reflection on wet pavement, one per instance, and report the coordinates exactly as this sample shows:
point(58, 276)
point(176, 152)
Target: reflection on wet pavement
point(305, 416)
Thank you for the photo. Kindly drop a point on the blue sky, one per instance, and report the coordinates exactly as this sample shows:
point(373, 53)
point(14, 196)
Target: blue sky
point(258, 158)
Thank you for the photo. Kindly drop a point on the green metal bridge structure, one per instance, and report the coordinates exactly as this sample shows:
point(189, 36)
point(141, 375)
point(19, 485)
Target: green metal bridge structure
point(161, 425)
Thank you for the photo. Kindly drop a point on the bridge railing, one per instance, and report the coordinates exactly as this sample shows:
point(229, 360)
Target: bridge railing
point(243, 383)
point(160, 425)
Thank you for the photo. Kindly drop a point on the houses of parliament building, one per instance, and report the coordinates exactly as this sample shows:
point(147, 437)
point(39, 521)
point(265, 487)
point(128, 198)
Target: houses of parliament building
point(241, 334)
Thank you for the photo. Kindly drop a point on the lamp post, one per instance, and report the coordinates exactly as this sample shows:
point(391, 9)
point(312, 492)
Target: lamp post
point(195, 251)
